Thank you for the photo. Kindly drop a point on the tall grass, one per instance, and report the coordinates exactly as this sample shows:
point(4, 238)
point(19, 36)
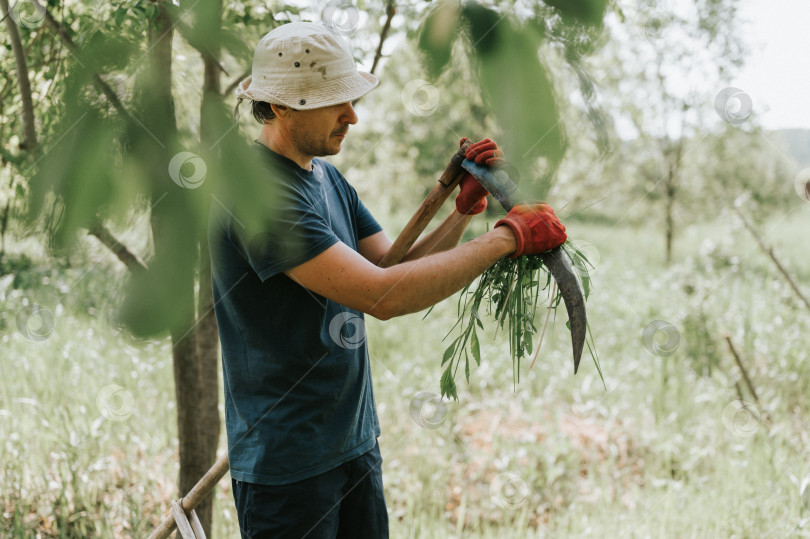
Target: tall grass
point(87, 418)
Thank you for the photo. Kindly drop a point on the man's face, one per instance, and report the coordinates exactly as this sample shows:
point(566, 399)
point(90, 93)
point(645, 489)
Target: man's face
point(319, 132)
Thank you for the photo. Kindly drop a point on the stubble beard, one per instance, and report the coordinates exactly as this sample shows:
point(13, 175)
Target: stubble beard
point(306, 143)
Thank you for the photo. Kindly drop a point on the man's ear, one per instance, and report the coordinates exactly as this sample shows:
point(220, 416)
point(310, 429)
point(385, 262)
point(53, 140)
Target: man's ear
point(282, 111)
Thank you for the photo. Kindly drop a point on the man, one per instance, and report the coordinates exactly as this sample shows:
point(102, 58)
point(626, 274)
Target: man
point(290, 297)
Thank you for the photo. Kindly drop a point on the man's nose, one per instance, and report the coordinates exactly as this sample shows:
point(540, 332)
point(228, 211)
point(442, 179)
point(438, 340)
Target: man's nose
point(347, 114)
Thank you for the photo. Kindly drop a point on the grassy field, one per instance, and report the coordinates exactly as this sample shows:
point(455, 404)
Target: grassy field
point(664, 449)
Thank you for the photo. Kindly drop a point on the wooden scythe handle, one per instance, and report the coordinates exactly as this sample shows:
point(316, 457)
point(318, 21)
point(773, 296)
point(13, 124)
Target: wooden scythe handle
point(203, 487)
point(448, 181)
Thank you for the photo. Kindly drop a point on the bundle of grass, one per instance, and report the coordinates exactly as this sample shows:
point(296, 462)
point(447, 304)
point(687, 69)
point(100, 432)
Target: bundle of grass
point(511, 290)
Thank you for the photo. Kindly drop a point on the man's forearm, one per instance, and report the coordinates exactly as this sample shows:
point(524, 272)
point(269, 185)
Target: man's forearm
point(415, 285)
point(444, 237)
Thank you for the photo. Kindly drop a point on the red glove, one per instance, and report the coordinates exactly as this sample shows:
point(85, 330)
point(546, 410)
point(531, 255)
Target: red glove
point(536, 227)
point(472, 198)
point(485, 152)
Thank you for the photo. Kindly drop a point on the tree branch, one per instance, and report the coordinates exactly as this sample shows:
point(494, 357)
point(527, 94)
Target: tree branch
point(132, 261)
point(232, 86)
point(769, 251)
point(129, 259)
point(102, 86)
point(744, 372)
point(390, 11)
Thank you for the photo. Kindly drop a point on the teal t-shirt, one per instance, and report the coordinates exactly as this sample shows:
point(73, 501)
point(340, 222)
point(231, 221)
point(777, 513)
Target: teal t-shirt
point(298, 394)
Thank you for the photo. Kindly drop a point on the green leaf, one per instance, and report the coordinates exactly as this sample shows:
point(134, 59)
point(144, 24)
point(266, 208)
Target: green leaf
point(104, 52)
point(579, 261)
point(587, 11)
point(437, 37)
point(448, 385)
point(120, 15)
point(478, 319)
point(77, 170)
point(151, 11)
point(518, 93)
point(234, 43)
point(475, 349)
point(448, 354)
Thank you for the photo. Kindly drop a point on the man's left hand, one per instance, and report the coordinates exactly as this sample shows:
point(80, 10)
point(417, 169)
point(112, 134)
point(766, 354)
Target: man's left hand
point(473, 197)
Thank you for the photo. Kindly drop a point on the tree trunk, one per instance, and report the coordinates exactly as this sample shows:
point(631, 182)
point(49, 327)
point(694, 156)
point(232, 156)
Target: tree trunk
point(194, 338)
point(207, 335)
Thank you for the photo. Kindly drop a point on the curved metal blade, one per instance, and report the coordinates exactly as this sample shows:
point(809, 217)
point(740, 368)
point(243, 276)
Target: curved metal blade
point(499, 185)
point(505, 191)
point(557, 263)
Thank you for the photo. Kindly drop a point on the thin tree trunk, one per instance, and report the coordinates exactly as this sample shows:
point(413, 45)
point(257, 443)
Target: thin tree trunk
point(669, 220)
point(207, 335)
point(29, 129)
point(673, 158)
point(3, 228)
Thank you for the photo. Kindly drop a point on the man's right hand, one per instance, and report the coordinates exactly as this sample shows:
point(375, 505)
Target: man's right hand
point(536, 227)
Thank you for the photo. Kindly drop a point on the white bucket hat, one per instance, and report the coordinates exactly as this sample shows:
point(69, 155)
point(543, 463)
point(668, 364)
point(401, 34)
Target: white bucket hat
point(304, 65)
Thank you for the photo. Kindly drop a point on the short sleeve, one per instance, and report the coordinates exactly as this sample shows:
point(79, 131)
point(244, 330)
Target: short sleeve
point(293, 233)
point(367, 225)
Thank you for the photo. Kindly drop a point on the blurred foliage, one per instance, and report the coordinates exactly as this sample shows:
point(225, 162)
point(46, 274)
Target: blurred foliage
point(104, 158)
point(515, 83)
point(556, 84)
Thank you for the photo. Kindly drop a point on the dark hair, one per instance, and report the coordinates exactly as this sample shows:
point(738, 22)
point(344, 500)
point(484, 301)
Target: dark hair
point(262, 112)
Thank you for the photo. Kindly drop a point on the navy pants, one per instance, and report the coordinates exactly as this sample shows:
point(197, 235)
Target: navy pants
point(346, 502)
